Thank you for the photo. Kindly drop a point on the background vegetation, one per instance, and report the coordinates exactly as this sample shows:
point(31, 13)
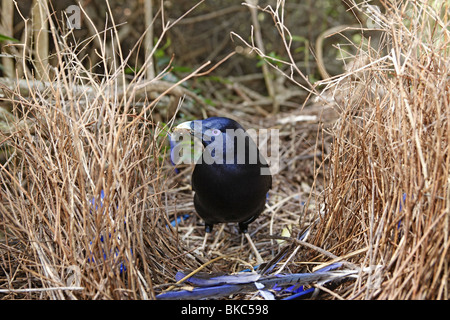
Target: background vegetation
point(359, 91)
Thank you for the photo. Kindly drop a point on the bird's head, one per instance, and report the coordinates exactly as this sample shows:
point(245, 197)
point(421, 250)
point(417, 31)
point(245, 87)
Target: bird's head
point(224, 140)
point(209, 129)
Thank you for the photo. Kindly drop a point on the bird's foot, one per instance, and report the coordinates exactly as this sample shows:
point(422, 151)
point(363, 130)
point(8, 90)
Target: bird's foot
point(202, 249)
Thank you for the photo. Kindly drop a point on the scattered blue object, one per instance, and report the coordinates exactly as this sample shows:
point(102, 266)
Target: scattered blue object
point(402, 203)
point(330, 267)
point(299, 291)
point(178, 220)
point(122, 267)
point(102, 196)
point(300, 294)
point(201, 293)
point(215, 286)
point(201, 280)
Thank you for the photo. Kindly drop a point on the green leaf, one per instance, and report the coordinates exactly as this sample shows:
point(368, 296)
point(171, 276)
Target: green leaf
point(299, 39)
point(6, 38)
point(273, 55)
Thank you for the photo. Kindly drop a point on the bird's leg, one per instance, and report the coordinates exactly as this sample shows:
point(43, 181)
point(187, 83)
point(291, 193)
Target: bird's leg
point(203, 247)
point(243, 228)
point(208, 229)
point(259, 259)
point(216, 239)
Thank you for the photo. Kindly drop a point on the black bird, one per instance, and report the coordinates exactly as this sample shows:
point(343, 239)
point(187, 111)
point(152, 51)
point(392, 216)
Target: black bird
point(232, 178)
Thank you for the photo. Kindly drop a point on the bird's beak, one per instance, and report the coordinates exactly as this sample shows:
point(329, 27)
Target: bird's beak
point(184, 126)
point(193, 127)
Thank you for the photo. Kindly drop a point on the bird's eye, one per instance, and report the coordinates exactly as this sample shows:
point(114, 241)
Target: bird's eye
point(215, 132)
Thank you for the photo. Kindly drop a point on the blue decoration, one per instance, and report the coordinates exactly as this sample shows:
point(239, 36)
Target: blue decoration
point(122, 267)
point(216, 286)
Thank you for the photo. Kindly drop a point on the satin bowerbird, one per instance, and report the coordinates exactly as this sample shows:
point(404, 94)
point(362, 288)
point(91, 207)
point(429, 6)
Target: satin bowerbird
point(231, 179)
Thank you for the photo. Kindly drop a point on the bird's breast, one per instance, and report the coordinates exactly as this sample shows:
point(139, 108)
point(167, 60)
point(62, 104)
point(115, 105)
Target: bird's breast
point(228, 193)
